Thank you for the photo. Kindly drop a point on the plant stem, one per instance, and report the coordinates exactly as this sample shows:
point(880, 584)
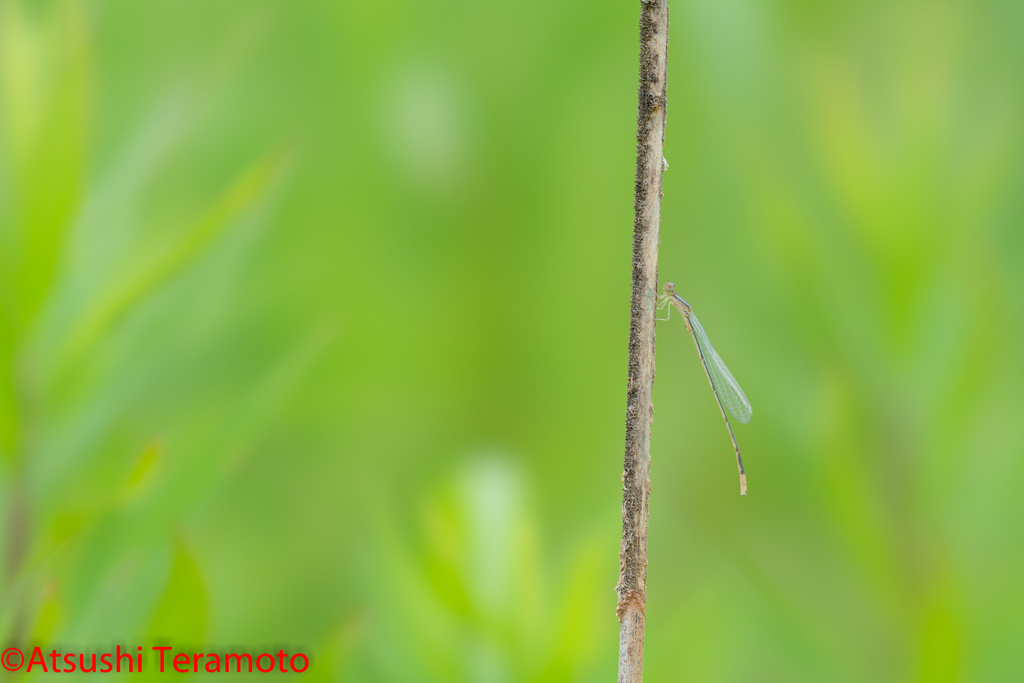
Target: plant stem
point(636, 485)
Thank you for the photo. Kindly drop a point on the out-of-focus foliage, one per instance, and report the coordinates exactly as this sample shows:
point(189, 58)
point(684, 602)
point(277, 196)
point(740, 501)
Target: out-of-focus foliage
point(313, 322)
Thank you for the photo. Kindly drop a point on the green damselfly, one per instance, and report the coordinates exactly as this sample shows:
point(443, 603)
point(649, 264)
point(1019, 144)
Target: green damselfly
point(724, 386)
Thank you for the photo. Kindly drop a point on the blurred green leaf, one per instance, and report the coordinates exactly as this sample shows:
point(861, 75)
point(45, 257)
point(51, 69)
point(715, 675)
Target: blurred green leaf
point(180, 617)
point(153, 269)
point(46, 99)
point(45, 130)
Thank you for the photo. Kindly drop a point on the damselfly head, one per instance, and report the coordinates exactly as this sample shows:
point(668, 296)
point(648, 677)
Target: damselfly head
point(670, 292)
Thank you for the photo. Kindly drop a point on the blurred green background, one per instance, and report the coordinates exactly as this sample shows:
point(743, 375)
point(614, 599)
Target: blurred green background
point(314, 325)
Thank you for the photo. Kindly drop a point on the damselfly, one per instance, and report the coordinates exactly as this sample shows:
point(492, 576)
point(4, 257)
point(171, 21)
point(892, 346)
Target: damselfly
point(725, 388)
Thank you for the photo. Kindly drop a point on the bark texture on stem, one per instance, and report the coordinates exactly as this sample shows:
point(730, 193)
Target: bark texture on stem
point(636, 487)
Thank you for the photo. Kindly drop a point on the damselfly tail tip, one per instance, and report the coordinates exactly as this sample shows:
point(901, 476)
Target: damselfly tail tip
point(743, 484)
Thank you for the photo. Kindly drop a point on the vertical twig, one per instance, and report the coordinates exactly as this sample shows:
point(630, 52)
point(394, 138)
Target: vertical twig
point(636, 487)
